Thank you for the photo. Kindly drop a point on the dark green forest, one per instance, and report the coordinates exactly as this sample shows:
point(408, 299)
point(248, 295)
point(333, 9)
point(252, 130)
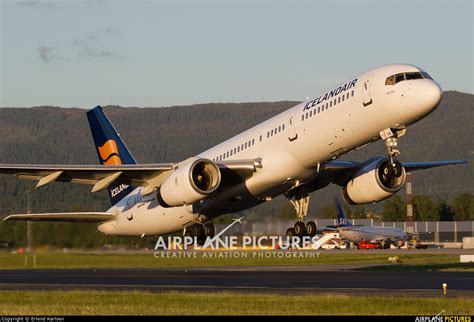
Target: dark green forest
point(61, 135)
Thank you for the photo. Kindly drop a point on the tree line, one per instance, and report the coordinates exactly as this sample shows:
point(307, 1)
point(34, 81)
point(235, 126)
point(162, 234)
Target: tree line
point(425, 208)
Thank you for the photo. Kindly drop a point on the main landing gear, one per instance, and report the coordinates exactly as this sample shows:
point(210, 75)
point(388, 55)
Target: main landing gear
point(299, 198)
point(200, 232)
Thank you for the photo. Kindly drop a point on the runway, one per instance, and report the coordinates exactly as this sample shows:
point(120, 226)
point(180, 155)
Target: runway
point(249, 280)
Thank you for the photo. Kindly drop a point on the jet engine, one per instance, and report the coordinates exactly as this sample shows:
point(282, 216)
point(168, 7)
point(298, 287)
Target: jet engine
point(376, 181)
point(189, 183)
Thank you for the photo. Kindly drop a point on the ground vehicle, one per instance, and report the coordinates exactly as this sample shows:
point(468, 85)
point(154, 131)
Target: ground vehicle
point(367, 245)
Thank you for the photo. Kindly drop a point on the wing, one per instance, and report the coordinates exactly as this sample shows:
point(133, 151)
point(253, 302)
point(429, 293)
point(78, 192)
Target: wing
point(98, 175)
point(340, 172)
point(413, 166)
point(101, 176)
point(92, 217)
point(338, 166)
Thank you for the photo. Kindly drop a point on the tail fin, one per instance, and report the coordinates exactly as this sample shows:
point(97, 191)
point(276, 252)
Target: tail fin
point(110, 149)
point(341, 215)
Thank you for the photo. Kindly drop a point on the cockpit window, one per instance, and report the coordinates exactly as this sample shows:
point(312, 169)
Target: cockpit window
point(413, 76)
point(394, 79)
point(399, 77)
point(426, 75)
point(390, 80)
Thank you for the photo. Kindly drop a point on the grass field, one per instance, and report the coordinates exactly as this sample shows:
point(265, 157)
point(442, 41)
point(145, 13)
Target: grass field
point(220, 303)
point(174, 303)
point(147, 260)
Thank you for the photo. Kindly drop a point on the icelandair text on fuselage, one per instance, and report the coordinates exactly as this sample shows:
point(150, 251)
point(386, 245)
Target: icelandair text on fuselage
point(330, 94)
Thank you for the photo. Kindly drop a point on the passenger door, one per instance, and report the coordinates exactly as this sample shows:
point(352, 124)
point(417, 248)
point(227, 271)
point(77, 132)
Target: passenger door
point(366, 96)
point(292, 135)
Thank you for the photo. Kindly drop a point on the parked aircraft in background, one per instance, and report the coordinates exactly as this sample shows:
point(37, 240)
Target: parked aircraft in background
point(292, 153)
point(360, 233)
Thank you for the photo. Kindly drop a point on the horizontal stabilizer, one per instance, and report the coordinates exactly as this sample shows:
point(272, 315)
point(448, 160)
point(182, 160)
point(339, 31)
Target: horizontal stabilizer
point(65, 217)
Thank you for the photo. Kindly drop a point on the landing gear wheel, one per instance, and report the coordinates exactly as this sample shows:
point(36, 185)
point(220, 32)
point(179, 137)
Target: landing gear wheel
point(299, 198)
point(209, 230)
point(201, 240)
point(300, 229)
point(197, 231)
point(311, 229)
point(290, 233)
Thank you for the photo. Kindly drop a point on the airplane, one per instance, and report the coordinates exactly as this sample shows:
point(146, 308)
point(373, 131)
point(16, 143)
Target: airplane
point(293, 153)
point(357, 233)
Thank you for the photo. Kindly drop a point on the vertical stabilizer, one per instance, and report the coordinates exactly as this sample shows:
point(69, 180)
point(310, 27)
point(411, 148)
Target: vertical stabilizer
point(341, 214)
point(111, 150)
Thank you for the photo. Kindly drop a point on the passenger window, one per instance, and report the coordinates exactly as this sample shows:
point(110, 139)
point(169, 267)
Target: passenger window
point(245, 146)
point(399, 78)
point(327, 105)
point(343, 98)
point(268, 135)
point(352, 94)
point(271, 134)
point(260, 138)
point(339, 100)
point(330, 104)
point(310, 113)
point(238, 148)
point(253, 141)
point(347, 96)
point(390, 80)
point(283, 127)
point(319, 108)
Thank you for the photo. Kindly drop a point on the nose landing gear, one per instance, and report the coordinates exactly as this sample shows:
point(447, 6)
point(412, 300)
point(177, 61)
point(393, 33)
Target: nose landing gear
point(390, 137)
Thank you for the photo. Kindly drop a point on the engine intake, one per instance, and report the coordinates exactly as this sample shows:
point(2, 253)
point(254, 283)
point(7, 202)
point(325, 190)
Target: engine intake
point(189, 183)
point(375, 182)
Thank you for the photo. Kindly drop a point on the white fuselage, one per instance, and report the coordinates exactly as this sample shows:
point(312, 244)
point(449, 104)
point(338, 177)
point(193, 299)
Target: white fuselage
point(371, 234)
point(291, 145)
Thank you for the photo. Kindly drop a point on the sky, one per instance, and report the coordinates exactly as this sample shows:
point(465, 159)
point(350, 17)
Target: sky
point(157, 53)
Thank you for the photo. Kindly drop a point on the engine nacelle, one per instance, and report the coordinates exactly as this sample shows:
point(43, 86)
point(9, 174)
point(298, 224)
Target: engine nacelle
point(374, 182)
point(189, 183)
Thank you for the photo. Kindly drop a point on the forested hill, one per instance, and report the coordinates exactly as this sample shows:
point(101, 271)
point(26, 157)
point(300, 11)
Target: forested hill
point(61, 135)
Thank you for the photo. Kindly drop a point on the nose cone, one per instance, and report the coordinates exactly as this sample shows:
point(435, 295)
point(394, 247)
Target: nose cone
point(430, 94)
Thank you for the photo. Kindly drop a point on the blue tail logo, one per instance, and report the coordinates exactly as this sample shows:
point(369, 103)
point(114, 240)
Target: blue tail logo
point(111, 150)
